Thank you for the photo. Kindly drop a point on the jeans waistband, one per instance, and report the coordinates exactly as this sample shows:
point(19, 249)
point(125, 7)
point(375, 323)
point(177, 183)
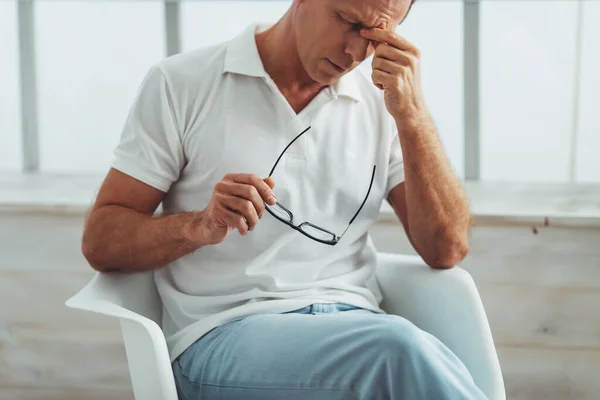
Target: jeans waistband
point(324, 308)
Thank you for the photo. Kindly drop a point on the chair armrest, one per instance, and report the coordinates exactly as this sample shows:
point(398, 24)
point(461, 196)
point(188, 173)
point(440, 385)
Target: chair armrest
point(446, 304)
point(145, 345)
point(148, 361)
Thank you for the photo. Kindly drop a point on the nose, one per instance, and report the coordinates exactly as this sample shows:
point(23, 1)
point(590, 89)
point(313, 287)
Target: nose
point(357, 46)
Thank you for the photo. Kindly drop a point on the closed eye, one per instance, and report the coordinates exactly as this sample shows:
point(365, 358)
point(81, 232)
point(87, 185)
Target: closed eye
point(354, 25)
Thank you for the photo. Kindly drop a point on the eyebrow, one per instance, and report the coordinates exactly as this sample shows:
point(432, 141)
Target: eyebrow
point(353, 17)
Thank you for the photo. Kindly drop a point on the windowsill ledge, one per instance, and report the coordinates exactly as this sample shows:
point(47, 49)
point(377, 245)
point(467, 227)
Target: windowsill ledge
point(491, 203)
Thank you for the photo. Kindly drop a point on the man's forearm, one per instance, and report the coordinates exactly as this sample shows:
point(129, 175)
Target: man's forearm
point(120, 239)
point(438, 210)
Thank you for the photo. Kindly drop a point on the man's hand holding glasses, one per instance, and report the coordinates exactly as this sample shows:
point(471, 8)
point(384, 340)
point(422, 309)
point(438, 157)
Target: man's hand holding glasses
point(238, 202)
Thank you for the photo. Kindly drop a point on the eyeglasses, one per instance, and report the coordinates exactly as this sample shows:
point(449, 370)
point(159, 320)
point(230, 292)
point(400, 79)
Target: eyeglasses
point(308, 229)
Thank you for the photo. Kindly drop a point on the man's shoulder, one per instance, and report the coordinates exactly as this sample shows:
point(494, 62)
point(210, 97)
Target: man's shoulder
point(194, 66)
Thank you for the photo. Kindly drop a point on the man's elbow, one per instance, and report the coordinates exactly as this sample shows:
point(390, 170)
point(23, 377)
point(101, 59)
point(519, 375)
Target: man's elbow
point(447, 253)
point(92, 253)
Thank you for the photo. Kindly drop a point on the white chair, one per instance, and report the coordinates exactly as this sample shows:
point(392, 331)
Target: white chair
point(445, 303)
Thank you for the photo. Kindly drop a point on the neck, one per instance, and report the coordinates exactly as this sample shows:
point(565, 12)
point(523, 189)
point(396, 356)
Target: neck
point(279, 54)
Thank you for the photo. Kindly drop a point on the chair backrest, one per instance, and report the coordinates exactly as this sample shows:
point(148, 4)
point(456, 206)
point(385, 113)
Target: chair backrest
point(133, 291)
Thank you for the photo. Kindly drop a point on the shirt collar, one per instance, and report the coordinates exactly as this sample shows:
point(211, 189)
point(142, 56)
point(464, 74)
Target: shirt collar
point(347, 86)
point(242, 57)
point(242, 54)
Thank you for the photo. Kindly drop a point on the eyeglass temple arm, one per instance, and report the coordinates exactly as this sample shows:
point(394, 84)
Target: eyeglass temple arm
point(364, 201)
point(284, 150)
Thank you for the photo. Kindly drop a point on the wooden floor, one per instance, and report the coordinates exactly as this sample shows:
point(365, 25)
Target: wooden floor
point(540, 286)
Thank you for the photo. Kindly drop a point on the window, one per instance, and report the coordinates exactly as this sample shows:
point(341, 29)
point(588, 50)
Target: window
point(10, 108)
point(588, 149)
point(92, 57)
point(527, 87)
point(209, 22)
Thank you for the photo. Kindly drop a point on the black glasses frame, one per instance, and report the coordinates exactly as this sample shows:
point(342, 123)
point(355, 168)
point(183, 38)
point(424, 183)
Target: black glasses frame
point(335, 238)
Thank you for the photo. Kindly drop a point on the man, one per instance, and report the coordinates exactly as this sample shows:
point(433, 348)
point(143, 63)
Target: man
point(271, 155)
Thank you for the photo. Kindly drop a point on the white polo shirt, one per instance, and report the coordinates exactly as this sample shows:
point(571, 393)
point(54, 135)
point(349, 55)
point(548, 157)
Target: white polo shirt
point(208, 112)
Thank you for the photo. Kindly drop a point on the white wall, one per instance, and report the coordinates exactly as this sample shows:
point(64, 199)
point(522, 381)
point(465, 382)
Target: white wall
point(10, 123)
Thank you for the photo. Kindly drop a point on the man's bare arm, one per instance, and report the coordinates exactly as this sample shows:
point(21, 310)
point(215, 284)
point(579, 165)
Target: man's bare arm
point(431, 202)
point(122, 234)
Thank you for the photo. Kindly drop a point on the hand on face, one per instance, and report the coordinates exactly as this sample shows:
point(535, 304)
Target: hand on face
point(397, 71)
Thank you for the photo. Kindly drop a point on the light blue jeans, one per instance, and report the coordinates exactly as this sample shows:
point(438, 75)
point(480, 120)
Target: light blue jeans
point(323, 351)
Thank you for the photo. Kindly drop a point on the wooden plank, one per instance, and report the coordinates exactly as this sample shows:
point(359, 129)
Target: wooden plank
point(530, 315)
point(28, 393)
point(537, 374)
point(34, 242)
point(63, 358)
point(552, 257)
point(497, 253)
point(36, 298)
point(539, 291)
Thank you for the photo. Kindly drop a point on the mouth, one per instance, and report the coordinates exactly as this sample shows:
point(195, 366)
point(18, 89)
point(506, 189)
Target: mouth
point(337, 67)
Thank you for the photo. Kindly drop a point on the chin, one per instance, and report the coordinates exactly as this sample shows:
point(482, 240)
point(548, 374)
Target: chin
point(325, 77)
point(329, 80)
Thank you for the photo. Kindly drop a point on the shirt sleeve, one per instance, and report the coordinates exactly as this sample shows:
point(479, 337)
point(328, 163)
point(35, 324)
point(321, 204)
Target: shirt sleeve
point(396, 163)
point(150, 147)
